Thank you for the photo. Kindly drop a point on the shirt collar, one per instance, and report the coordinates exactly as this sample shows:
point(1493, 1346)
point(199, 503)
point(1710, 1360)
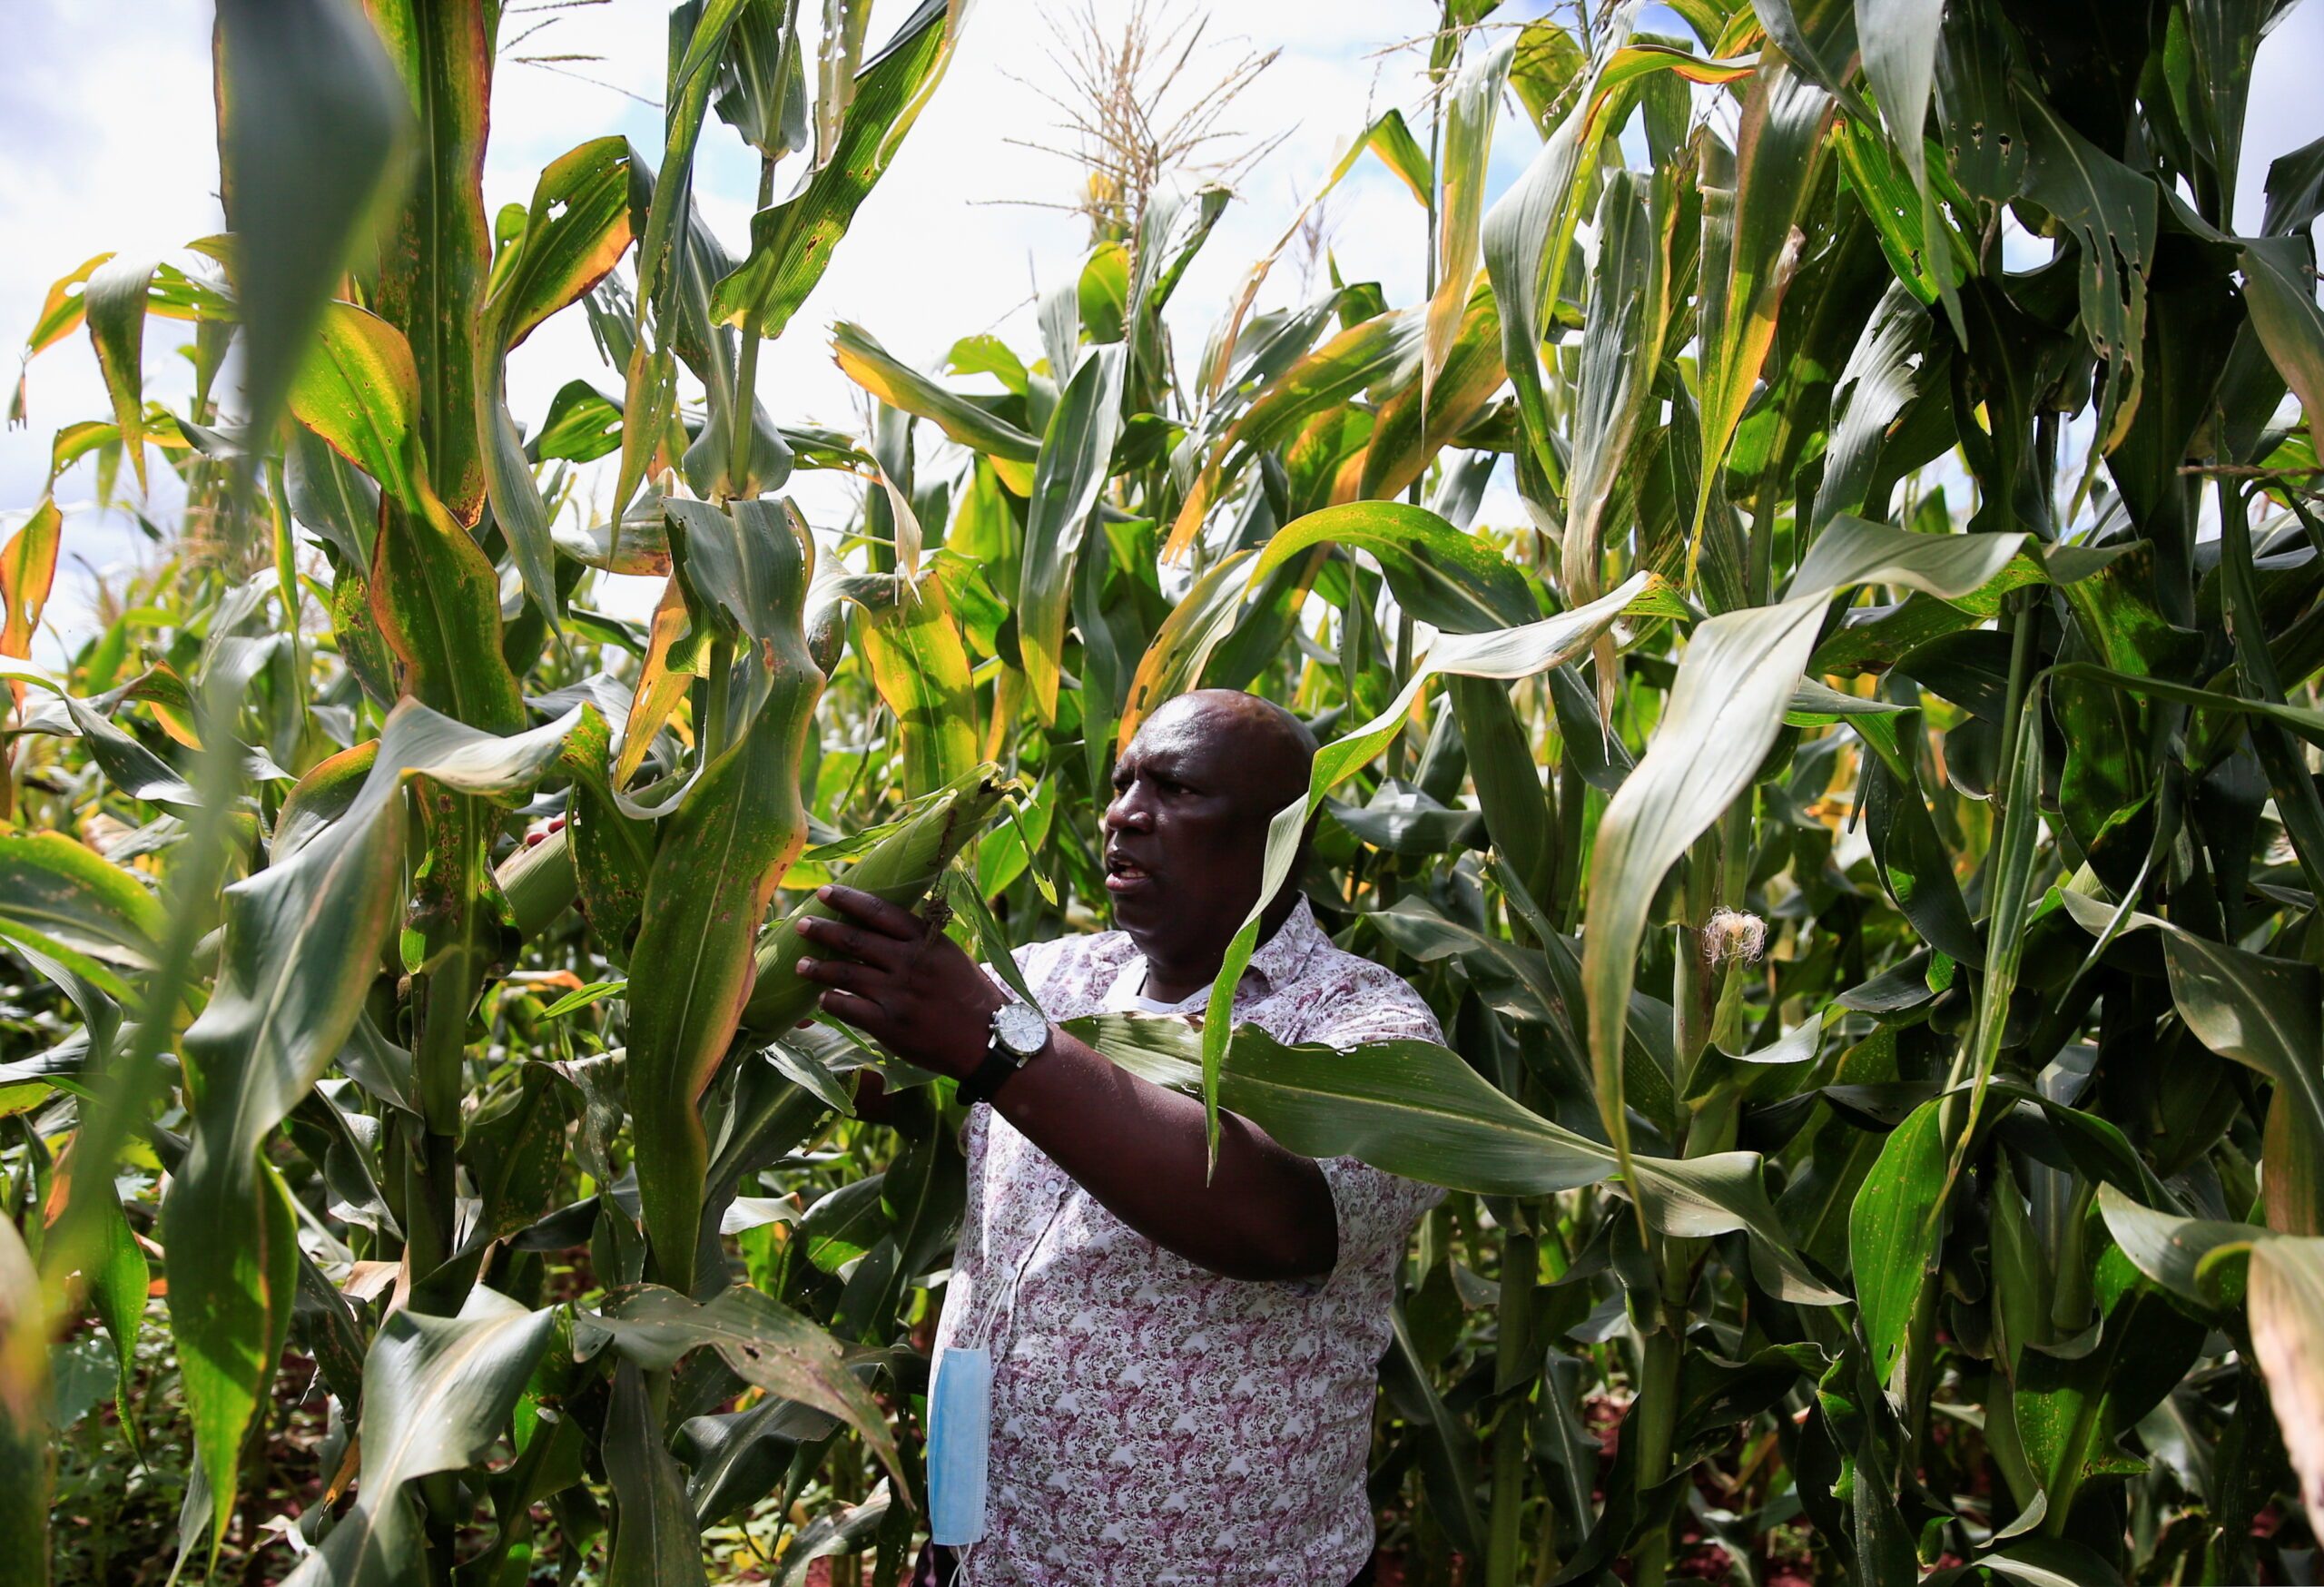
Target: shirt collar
point(1281, 958)
point(1277, 963)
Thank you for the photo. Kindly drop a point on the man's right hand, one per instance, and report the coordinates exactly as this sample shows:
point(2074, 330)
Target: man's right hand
point(904, 984)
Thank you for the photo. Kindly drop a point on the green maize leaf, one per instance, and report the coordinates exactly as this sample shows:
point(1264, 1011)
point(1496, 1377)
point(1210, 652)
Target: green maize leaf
point(333, 500)
point(1391, 139)
point(900, 869)
point(736, 828)
point(126, 763)
point(841, 1227)
point(1183, 646)
point(656, 1542)
point(862, 359)
point(792, 241)
point(577, 229)
point(359, 389)
point(1381, 351)
point(1900, 45)
point(2110, 211)
point(921, 666)
point(1505, 652)
point(1416, 424)
point(2295, 189)
point(117, 1280)
point(437, 254)
point(2035, 1562)
point(1171, 231)
point(2288, 1337)
point(435, 596)
point(576, 232)
point(1509, 792)
point(649, 388)
point(60, 894)
point(2009, 878)
point(2282, 305)
point(322, 796)
point(1439, 574)
point(1448, 1443)
point(1529, 232)
point(582, 425)
point(1470, 107)
point(1723, 713)
point(1620, 355)
point(2070, 1409)
point(849, 1529)
point(1900, 39)
point(1418, 1110)
point(114, 302)
point(302, 944)
point(761, 1342)
point(2201, 1260)
point(437, 1392)
point(706, 41)
point(1928, 255)
point(1890, 1231)
point(1760, 237)
point(612, 851)
point(1538, 986)
point(514, 1153)
point(27, 1468)
point(1547, 64)
point(763, 88)
point(1077, 453)
point(986, 354)
point(1096, 302)
point(1818, 36)
point(1882, 375)
point(2263, 1012)
point(2307, 722)
point(1914, 866)
point(1108, 612)
point(314, 127)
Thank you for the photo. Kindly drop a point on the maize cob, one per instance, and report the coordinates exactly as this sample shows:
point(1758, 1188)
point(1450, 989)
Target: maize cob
point(900, 868)
point(540, 883)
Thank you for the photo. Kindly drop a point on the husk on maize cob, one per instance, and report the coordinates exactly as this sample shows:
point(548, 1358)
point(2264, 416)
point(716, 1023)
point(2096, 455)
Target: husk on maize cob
point(900, 868)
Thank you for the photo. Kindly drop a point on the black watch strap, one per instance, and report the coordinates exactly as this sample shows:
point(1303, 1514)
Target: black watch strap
point(980, 1082)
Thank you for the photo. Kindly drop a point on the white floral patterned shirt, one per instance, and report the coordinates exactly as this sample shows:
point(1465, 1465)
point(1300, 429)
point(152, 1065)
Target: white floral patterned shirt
point(1153, 1424)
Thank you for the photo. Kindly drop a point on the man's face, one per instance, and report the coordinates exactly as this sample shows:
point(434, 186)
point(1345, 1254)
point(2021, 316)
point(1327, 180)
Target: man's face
point(1185, 834)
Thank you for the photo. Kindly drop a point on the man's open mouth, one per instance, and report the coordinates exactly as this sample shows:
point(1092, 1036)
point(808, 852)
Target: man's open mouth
point(1124, 874)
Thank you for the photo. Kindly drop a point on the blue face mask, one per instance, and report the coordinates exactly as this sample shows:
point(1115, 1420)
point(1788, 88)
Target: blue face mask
point(959, 1437)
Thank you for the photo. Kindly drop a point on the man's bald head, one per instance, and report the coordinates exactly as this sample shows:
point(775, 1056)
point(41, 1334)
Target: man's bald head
point(1275, 750)
point(1195, 793)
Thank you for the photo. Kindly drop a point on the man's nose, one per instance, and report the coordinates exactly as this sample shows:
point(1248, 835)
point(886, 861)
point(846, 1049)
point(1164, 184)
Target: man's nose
point(1128, 813)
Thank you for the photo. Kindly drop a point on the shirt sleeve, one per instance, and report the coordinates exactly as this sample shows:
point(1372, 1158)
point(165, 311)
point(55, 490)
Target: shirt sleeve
point(1376, 1210)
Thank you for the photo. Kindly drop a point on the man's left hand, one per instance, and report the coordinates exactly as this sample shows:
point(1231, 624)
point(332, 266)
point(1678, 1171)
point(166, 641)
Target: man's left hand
point(907, 986)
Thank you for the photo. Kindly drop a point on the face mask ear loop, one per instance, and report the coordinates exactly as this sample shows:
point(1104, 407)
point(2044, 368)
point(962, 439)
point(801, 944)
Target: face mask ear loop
point(962, 1570)
point(1007, 1299)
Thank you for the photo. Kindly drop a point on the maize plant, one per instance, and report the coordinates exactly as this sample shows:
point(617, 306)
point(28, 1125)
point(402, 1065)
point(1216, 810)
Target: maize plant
point(1860, 826)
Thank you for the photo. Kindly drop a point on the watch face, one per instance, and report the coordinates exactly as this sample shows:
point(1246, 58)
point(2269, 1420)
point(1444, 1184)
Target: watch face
point(1022, 1028)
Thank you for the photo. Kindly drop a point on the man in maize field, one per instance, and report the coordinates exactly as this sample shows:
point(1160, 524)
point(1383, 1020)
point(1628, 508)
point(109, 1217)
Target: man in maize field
point(1183, 1367)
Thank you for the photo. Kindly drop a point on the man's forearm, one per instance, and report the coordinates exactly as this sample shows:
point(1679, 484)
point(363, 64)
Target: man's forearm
point(1139, 1150)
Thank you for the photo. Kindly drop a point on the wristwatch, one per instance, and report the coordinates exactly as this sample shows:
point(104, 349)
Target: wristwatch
point(1019, 1031)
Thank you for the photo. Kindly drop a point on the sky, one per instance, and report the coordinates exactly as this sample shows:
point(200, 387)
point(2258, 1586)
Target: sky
point(107, 106)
